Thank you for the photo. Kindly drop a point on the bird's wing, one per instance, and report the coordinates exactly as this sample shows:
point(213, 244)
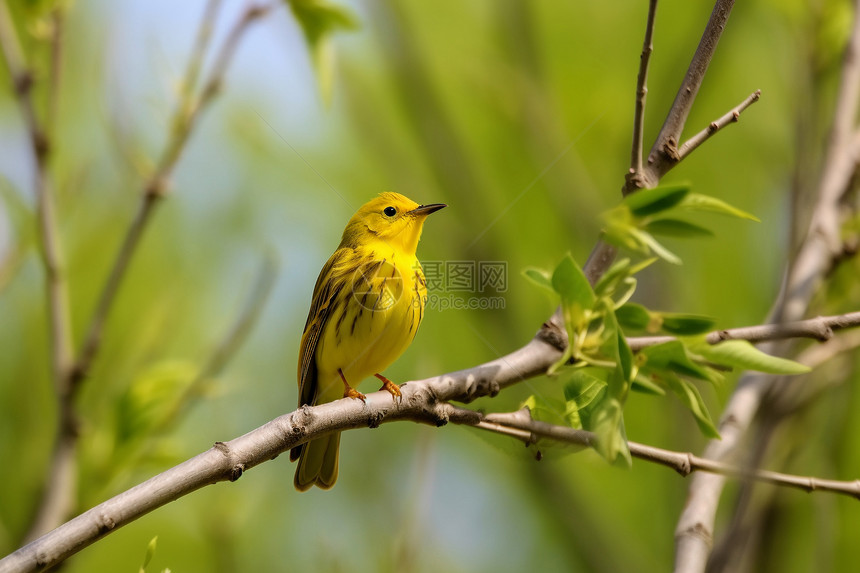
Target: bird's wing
point(325, 293)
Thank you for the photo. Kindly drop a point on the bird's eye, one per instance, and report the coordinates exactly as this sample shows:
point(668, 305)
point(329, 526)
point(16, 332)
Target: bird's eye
point(389, 211)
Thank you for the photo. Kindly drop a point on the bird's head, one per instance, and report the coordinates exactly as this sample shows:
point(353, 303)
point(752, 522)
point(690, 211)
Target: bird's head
point(390, 218)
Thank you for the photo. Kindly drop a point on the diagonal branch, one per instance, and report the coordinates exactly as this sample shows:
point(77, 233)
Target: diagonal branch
point(664, 153)
point(642, 91)
point(821, 246)
point(423, 401)
point(184, 119)
point(731, 117)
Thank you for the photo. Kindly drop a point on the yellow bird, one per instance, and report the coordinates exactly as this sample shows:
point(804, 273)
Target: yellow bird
point(367, 304)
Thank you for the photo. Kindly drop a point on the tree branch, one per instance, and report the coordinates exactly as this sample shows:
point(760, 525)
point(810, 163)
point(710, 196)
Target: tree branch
point(642, 91)
point(731, 117)
point(59, 491)
point(694, 532)
point(424, 401)
point(56, 501)
point(522, 426)
point(664, 153)
point(820, 329)
point(184, 119)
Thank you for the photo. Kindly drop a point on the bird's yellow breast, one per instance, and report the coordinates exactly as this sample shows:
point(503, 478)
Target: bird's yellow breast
point(374, 319)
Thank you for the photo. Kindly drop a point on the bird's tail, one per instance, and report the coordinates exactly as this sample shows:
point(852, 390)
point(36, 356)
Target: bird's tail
point(318, 461)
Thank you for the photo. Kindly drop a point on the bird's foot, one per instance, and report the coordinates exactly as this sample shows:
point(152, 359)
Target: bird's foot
point(393, 388)
point(349, 391)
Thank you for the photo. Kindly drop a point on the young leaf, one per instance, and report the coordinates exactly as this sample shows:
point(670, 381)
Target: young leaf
point(652, 245)
point(633, 316)
point(319, 19)
point(742, 354)
point(539, 277)
point(676, 228)
point(608, 426)
point(546, 409)
point(672, 357)
point(644, 385)
point(697, 202)
point(691, 398)
point(582, 391)
point(685, 324)
point(150, 551)
point(569, 281)
point(647, 202)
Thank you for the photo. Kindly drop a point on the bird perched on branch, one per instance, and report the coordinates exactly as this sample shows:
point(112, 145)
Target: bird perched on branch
point(367, 304)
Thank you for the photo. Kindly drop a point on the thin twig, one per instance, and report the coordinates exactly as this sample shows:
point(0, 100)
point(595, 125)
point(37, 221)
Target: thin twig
point(731, 117)
point(664, 153)
point(57, 497)
point(182, 124)
point(820, 329)
point(520, 425)
point(22, 79)
point(642, 92)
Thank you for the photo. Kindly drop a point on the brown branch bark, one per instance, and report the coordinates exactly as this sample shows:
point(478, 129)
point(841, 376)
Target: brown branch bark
point(694, 532)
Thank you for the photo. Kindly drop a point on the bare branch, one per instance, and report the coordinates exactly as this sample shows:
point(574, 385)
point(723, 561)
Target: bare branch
point(731, 117)
point(184, 118)
point(56, 501)
point(694, 532)
point(642, 91)
point(820, 329)
point(664, 153)
point(520, 425)
point(422, 401)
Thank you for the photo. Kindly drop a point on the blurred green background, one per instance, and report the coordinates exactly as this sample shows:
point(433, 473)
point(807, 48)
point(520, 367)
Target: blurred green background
point(518, 115)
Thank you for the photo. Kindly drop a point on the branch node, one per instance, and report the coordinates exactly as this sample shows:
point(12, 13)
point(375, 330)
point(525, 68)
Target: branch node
point(105, 523)
point(236, 471)
point(375, 420)
point(553, 335)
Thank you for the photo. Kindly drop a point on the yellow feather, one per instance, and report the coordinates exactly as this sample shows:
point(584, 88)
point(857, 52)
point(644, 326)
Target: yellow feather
point(367, 305)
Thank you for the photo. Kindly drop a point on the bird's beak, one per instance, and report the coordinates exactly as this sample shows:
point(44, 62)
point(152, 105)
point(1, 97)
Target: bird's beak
point(423, 210)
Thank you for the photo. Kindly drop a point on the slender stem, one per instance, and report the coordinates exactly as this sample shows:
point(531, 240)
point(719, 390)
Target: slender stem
point(520, 425)
point(182, 124)
point(820, 329)
point(731, 117)
point(642, 91)
point(664, 152)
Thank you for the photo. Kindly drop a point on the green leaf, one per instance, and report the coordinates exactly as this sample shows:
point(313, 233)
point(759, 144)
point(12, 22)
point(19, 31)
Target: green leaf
point(742, 354)
point(697, 202)
point(691, 398)
point(319, 19)
point(608, 426)
point(644, 385)
point(652, 245)
point(569, 281)
point(676, 228)
point(672, 357)
point(633, 316)
point(539, 277)
point(647, 202)
point(581, 393)
point(150, 552)
point(545, 409)
point(685, 324)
